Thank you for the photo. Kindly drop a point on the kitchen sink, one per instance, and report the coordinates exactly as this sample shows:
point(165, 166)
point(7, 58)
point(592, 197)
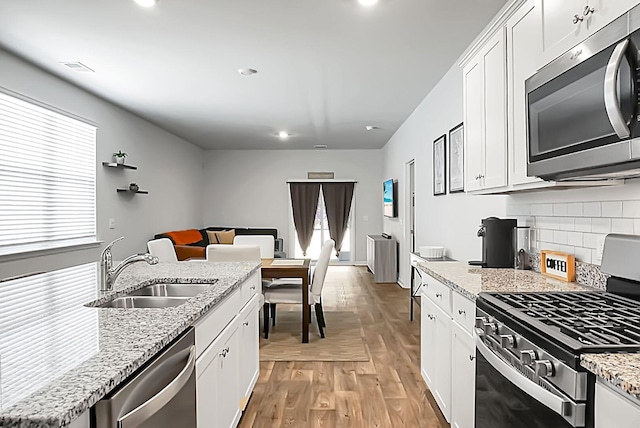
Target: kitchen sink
point(131, 302)
point(171, 290)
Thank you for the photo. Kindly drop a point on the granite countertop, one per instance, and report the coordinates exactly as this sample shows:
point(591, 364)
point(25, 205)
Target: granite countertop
point(471, 281)
point(622, 370)
point(58, 356)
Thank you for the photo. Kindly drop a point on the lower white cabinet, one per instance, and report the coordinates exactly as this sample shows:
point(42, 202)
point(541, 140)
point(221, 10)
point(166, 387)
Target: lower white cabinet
point(614, 409)
point(447, 353)
point(227, 366)
point(463, 378)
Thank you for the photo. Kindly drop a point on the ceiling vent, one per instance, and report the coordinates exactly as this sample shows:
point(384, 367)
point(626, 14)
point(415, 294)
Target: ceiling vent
point(77, 66)
point(320, 146)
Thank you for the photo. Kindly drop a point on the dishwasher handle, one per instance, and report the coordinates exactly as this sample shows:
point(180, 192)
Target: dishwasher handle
point(158, 401)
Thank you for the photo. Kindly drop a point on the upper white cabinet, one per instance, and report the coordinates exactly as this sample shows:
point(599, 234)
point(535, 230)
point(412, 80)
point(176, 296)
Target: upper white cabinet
point(485, 116)
point(524, 52)
point(566, 23)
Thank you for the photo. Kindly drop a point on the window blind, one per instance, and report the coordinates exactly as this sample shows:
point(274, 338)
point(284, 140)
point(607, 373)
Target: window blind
point(47, 178)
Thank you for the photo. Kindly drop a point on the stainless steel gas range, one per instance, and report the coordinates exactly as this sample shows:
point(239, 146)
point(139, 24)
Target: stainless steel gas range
point(528, 371)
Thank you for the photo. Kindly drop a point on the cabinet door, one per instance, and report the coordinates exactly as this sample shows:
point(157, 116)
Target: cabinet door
point(524, 52)
point(559, 32)
point(442, 392)
point(249, 352)
point(463, 380)
point(428, 346)
point(605, 11)
point(495, 108)
point(473, 123)
point(613, 409)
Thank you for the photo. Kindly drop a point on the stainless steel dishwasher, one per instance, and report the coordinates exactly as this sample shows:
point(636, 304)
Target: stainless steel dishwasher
point(161, 395)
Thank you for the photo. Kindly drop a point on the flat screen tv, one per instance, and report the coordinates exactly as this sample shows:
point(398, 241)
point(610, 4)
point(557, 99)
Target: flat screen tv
point(390, 196)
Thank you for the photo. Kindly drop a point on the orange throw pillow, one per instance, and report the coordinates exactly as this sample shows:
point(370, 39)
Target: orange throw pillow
point(221, 237)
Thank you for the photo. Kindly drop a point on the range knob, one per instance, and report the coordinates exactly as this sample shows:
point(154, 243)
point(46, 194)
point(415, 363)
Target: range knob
point(528, 357)
point(544, 368)
point(507, 341)
point(490, 327)
point(480, 322)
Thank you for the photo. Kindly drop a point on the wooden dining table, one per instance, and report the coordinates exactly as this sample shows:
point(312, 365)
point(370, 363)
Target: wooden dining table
point(298, 268)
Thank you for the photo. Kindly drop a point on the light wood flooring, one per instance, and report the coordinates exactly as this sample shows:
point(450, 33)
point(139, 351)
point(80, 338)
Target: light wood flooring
point(387, 391)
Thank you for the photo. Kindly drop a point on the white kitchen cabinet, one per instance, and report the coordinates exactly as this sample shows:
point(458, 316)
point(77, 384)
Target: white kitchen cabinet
point(428, 344)
point(605, 11)
point(559, 26)
point(442, 375)
point(615, 409)
point(249, 350)
point(463, 372)
point(485, 116)
point(524, 52)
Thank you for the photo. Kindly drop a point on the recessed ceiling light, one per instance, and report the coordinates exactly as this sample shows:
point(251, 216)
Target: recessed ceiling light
point(320, 146)
point(247, 71)
point(371, 128)
point(146, 3)
point(283, 135)
point(77, 66)
point(368, 2)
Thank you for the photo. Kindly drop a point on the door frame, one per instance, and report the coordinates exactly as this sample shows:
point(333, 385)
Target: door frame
point(408, 244)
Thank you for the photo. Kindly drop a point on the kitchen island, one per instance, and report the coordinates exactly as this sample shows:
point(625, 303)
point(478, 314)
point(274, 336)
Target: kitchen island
point(58, 356)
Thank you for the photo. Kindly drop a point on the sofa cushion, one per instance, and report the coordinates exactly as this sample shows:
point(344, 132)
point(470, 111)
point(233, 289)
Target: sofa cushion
point(184, 252)
point(249, 230)
point(221, 237)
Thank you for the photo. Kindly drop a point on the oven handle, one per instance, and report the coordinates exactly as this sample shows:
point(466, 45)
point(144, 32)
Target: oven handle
point(611, 91)
point(572, 412)
point(158, 401)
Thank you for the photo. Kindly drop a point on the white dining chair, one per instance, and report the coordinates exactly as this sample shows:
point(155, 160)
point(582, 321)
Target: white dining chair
point(265, 242)
point(291, 293)
point(163, 249)
point(235, 253)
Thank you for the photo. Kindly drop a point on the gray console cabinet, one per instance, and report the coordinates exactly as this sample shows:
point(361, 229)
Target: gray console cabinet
point(382, 258)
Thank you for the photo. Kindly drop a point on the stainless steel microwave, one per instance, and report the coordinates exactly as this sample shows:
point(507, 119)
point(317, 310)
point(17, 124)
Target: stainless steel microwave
point(583, 108)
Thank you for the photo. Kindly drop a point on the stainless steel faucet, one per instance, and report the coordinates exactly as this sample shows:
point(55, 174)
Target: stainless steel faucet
point(108, 273)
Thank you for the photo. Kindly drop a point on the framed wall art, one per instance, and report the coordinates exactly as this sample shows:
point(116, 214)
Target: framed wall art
point(440, 165)
point(456, 159)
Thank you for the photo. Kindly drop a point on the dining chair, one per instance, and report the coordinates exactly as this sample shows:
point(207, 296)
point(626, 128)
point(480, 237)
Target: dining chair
point(235, 253)
point(291, 294)
point(163, 249)
point(265, 242)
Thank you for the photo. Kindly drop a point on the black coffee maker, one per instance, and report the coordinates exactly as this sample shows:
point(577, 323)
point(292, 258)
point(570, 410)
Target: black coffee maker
point(497, 243)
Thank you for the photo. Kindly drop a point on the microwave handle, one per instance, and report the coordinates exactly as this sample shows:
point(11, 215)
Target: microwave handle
point(573, 413)
point(611, 91)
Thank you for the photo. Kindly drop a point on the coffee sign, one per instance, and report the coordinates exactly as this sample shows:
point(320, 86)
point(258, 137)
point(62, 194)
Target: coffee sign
point(558, 265)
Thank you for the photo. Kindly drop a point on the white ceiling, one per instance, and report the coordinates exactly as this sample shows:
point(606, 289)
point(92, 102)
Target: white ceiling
point(326, 68)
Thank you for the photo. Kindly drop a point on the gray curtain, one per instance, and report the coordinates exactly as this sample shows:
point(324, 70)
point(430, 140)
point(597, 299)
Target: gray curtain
point(304, 201)
point(337, 201)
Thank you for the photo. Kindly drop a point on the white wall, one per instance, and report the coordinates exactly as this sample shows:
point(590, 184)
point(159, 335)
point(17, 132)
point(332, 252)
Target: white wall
point(247, 188)
point(168, 166)
point(450, 220)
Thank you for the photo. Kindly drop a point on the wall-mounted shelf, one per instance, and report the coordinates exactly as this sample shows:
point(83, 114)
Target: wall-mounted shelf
point(118, 165)
point(144, 192)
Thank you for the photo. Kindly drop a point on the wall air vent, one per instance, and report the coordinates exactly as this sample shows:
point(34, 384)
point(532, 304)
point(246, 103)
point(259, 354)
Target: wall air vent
point(320, 175)
point(320, 146)
point(77, 66)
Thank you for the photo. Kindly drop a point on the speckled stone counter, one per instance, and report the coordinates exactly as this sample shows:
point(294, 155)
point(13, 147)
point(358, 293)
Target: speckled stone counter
point(58, 357)
point(471, 281)
point(622, 370)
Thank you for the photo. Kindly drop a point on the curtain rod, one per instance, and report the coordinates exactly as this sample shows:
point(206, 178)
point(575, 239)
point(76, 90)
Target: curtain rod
point(321, 181)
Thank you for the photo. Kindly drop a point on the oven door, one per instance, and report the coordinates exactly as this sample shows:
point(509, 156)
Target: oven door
point(506, 398)
point(582, 108)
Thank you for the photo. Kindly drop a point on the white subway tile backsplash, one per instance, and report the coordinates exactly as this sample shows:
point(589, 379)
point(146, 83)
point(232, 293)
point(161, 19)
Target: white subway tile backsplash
point(566, 223)
point(612, 209)
point(542, 209)
point(601, 225)
point(592, 209)
point(622, 225)
point(631, 209)
point(575, 209)
point(560, 237)
point(596, 258)
point(560, 210)
point(519, 210)
point(574, 238)
point(547, 223)
point(545, 235)
point(636, 226)
point(548, 246)
point(590, 240)
point(583, 224)
point(566, 249)
point(583, 254)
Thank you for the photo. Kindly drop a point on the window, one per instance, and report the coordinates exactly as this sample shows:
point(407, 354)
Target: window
point(47, 178)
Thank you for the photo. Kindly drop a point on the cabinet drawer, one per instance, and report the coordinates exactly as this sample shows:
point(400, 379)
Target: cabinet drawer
point(439, 293)
point(464, 311)
point(210, 326)
point(251, 287)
